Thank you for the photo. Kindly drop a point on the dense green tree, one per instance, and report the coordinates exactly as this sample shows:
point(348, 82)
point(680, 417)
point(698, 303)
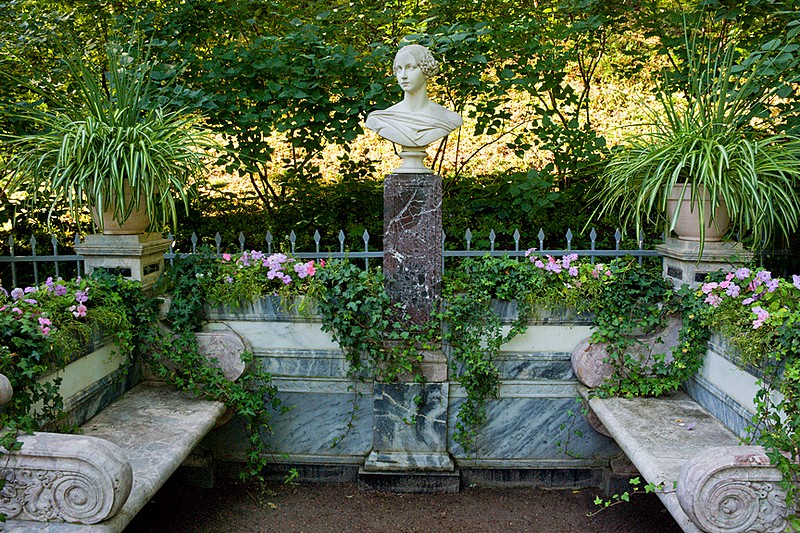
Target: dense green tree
point(307, 73)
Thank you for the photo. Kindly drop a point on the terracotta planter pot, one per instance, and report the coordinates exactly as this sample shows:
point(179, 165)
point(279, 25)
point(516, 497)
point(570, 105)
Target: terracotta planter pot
point(687, 226)
point(136, 223)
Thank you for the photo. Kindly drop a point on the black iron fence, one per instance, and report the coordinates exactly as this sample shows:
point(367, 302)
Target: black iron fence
point(29, 266)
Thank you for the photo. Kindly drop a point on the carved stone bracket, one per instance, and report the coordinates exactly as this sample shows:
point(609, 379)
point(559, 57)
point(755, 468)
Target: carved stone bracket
point(65, 478)
point(223, 348)
point(6, 390)
point(733, 489)
point(589, 360)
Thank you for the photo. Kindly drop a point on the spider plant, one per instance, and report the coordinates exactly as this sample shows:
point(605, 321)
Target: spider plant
point(721, 137)
point(105, 136)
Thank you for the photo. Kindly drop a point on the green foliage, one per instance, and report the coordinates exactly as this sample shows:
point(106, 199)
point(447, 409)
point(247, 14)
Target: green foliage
point(42, 330)
point(638, 302)
point(378, 337)
point(564, 444)
point(635, 483)
point(297, 84)
point(490, 64)
point(176, 358)
point(760, 316)
point(721, 138)
point(474, 334)
point(242, 278)
point(108, 134)
point(625, 299)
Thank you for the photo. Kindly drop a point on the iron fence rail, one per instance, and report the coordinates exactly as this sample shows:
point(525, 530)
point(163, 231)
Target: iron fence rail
point(32, 267)
point(54, 260)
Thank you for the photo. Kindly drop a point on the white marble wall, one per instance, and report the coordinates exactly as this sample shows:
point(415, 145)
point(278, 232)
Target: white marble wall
point(535, 424)
point(725, 387)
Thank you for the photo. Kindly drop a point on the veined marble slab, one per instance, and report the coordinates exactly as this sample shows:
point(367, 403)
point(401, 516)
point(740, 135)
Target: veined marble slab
point(528, 389)
point(729, 379)
point(724, 408)
point(320, 412)
point(533, 432)
point(548, 338)
point(538, 365)
point(509, 311)
point(266, 308)
point(282, 335)
point(283, 362)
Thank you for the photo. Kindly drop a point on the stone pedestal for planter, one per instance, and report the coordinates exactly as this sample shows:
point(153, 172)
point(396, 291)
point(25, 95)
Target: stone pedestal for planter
point(683, 264)
point(138, 257)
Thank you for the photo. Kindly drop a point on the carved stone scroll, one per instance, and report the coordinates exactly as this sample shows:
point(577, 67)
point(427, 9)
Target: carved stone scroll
point(589, 359)
point(223, 348)
point(733, 489)
point(6, 390)
point(64, 478)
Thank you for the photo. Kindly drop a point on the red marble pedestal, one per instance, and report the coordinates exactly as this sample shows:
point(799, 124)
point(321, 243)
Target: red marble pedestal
point(412, 242)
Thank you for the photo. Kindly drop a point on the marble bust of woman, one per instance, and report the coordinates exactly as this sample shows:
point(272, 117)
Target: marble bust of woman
point(416, 121)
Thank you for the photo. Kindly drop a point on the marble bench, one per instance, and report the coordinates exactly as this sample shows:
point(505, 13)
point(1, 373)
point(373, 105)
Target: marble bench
point(710, 483)
point(98, 481)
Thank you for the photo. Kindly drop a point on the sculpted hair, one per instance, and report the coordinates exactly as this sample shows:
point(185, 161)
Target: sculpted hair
point(427, 63)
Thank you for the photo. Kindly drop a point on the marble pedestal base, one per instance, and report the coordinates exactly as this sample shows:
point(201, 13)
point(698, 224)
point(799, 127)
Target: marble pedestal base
point(683, 264)
point(410, 482)
point(409, 428)
point(138, 257)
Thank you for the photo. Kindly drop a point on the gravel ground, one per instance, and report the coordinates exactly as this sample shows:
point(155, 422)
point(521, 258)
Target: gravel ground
point(319, 507)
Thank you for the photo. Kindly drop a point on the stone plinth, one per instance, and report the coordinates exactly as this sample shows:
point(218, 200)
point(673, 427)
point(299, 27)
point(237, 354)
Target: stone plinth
point(410, 428)
point(410, 419)
point(412, 242)
point(138, 257)
point(683, 264)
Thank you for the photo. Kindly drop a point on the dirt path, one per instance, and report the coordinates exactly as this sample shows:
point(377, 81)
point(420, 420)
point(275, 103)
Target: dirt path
point(315, 507)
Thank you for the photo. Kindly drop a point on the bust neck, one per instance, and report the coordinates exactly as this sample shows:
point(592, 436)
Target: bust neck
point(417, 102)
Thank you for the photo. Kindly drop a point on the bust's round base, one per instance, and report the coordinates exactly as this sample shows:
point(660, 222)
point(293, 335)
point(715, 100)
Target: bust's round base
point(413, 161)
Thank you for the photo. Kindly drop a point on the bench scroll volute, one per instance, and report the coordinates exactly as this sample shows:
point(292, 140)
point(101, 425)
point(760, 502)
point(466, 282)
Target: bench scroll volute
point(6, 391)
point(65, 478)
point(733, 489)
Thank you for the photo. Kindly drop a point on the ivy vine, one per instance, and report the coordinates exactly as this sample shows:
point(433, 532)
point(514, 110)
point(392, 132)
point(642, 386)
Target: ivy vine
point(177, 360)
point(378, 338)
point(638, 302)
point(623, 297)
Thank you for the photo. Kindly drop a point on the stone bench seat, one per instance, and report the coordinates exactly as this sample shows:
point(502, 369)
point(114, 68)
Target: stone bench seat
point(151, 430)
point(710, 483)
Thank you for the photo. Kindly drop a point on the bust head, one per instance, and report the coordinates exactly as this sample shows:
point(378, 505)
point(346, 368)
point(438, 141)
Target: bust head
point(416, 121)
point(421, 55)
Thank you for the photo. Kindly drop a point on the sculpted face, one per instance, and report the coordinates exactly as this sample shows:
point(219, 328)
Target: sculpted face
point(409, 76)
